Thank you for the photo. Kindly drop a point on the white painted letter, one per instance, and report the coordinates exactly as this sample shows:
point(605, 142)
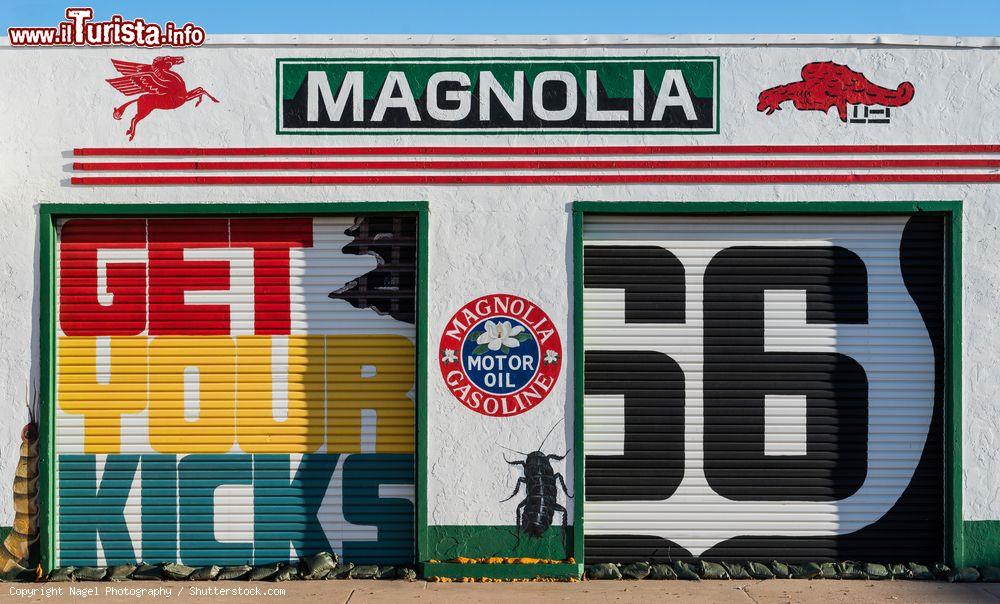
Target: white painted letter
point(638, 94)
point(489, 87)
point(404, 101)
point(462, 96)
point(554, 115)
point(600, 115)
point(664, 99)
point(318, 84)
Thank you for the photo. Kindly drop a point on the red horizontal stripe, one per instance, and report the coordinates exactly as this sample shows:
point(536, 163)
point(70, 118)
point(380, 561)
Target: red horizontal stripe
point(577, 150)
point(535, 179)
point(612, 164)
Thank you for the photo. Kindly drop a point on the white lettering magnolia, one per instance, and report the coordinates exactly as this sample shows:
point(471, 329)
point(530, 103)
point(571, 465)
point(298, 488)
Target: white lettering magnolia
point(448, 97)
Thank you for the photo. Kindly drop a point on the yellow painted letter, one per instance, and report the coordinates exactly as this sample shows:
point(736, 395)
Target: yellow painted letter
point(191, 394)
point(280, 372)
point(368, 378)
point(102, 378)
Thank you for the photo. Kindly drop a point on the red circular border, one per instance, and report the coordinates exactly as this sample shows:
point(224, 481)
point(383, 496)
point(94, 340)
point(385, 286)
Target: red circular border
point(474, 397)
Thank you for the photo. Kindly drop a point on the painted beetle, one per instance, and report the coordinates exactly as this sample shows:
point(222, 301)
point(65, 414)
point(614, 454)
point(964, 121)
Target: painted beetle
point(536, 511)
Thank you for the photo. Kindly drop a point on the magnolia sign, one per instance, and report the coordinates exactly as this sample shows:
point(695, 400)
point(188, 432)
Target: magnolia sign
point(582, 95)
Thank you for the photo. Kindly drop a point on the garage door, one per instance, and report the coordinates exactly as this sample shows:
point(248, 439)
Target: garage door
point(763, 387)
point(234, 390)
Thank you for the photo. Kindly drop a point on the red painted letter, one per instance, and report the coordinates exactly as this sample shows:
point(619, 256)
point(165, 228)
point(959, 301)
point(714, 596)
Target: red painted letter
point(271, 239)
point(102, 296)
point(170, 276)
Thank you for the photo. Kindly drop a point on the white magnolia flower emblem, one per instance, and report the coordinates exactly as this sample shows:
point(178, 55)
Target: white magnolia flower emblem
point(500, 334)
point(551, 356)
point(448, 356)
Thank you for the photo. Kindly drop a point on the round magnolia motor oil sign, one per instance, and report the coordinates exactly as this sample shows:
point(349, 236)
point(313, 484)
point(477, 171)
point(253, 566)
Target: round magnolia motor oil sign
point(500, 355)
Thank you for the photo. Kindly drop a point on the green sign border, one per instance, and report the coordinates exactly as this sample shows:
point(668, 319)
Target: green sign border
point(278, 62)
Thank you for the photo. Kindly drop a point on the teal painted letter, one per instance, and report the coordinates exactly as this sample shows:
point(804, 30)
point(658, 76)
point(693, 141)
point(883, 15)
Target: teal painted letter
point(199, 476)
point(89, 511)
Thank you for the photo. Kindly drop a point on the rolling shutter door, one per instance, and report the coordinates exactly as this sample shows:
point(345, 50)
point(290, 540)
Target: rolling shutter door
point(763, 387)
point(235, 390)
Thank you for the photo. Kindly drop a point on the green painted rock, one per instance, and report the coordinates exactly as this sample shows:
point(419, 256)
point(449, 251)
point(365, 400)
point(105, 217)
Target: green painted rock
point(920, 572)
point(406, 574)
point(636, 570)
point(809, 570)
point(967, 574)
point(662, 572)
point(735, 570)
point(386, 572)
point(148, 572)
point(781, 570)
point(365, 571)
point(61, 574)
point(90, 573)
point(318, 566)
point(120, 572)
point(851, 570)
point(265, 572)
point(711, 570)
point(287, 572)
point(177, 572)
point(900, 571)
point(342, 571)
point(231, 573)
point(603, 571)
point(829, 570)
point(205, 573)
point(876, 572)
point(685, 571)
point(760, 571)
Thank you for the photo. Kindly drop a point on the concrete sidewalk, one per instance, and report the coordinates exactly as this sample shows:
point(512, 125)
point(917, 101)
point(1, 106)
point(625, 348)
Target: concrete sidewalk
point(360, 592)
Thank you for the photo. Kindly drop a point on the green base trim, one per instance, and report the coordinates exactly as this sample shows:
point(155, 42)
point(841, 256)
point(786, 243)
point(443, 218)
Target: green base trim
point(447, 542)
point(450, 570)
point(982, 542)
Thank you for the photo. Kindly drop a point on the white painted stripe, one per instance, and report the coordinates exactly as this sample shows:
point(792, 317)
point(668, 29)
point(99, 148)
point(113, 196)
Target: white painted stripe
point(785, 424)
point(192, 394)
point(279, 378)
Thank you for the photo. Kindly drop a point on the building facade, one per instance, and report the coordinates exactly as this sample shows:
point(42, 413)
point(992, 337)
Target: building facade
point(573, 299)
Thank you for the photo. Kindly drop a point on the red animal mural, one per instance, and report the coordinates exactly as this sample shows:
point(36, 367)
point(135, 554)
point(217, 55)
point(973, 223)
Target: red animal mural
point(160, 88)
point(827, 84)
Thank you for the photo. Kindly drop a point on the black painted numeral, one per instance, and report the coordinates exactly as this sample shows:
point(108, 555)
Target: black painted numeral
point(651, 383)
point(739, 374)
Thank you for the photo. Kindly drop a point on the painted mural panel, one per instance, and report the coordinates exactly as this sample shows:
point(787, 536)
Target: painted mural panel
point(235, 390)
point(764, 387)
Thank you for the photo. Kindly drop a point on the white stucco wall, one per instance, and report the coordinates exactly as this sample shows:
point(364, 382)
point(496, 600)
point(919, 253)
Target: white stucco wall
point(486, 239)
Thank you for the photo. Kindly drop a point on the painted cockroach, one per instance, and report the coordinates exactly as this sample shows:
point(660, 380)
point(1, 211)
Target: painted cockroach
point(19, 550)
point(536, 512)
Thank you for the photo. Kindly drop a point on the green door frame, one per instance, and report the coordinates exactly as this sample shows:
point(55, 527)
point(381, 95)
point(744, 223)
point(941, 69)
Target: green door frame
point(954, 553)
point(49, 213)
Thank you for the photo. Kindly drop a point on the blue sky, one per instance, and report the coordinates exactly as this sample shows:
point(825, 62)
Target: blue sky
point(929, 17)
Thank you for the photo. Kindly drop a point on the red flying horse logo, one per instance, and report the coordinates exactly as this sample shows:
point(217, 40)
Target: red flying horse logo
point(160, 88)
point(828, 84)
